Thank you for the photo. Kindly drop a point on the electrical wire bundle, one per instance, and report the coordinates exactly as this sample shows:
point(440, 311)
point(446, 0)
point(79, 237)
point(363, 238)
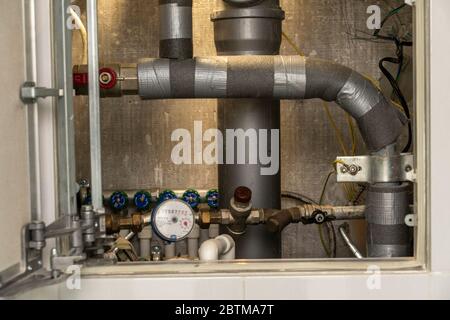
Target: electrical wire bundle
point(400, 43)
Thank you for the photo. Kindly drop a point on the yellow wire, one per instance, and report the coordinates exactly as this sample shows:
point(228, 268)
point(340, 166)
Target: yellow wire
point(336, 128)
point(293, 45)
point(352, 133)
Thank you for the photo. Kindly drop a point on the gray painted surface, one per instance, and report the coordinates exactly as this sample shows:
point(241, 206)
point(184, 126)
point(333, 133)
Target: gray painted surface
point(136, 134)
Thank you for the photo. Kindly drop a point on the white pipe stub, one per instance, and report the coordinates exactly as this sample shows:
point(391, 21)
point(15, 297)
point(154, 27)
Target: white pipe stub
point(220, 248)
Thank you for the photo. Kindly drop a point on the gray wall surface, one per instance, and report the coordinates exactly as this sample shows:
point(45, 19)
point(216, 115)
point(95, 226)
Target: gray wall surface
point(136, 134)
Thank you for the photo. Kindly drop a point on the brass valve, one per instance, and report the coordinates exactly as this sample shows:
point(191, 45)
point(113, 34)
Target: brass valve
point(115, 223)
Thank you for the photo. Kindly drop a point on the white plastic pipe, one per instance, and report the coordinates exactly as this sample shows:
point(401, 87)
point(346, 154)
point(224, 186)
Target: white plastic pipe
point(192, 242)
point(145, 239)
point(169, 251)
point(220, 248)
point(204, 235)
point(214, 231)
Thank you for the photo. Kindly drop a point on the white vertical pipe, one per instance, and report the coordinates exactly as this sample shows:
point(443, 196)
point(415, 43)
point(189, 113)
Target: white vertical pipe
point(204, 235)
point(193, 242)
point(145, 238)
point(47, 128)
point(214, 231)
point(169, 251)
point(94, 107)
point(46, 111)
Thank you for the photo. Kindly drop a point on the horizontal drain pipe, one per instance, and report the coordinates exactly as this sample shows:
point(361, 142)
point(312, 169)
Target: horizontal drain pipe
point(276, 77)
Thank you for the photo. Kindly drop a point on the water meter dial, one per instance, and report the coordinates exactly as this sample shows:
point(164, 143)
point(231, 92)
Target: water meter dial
point(173, 220)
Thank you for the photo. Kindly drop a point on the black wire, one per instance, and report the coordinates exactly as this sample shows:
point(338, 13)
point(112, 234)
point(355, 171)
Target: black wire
point(398, 93)
point(386, 19)
point(400, 44)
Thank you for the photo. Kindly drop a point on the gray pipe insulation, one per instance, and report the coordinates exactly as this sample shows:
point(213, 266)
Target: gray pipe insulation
point(175, 29)
point(276, 77)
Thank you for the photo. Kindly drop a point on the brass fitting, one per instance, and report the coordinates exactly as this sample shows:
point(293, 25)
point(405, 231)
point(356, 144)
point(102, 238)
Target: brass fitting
point(114, 223)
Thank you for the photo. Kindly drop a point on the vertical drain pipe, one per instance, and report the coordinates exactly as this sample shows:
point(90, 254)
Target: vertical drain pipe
point(387, 205)
point(250, 28)
point(175, 29)
point(94, 108)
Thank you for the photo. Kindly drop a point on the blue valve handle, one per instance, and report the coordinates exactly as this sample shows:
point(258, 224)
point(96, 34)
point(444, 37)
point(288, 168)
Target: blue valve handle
point(166, 195)
point(212, 198)
point(192, 197)
point(142, 200)
point(118, 201)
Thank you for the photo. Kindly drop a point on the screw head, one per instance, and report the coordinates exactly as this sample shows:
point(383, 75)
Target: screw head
point(354, 169)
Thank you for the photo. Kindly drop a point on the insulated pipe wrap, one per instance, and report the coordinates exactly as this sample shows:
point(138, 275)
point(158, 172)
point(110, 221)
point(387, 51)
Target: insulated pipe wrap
point(387, 205)
point(289, 77)
point(279, 77)
point(381, 126)
point(176, 29)
point(250, 76)
point(211, 76)
point(358, 96)
point(154, 79)
point(182, 78)
point(387, 233)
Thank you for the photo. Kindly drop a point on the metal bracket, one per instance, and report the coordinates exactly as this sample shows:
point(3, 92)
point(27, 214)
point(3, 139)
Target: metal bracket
point(29, 93)
point(376, 169)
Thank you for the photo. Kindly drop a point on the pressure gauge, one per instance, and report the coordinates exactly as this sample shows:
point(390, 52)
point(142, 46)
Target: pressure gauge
point(142, 200)
point(173, 220)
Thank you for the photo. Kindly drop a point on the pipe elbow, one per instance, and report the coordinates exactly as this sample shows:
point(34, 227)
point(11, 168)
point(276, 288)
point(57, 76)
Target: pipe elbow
point(209, 251)
point(220, 248)
point(379, 122)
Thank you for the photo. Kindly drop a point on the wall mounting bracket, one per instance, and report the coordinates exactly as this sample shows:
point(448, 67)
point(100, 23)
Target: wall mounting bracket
point(29, 93)
point(376, 169)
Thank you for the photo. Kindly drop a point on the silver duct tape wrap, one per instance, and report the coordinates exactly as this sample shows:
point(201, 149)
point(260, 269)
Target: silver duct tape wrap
point(211, 77)
point(387, 208)
point(154, 79)
point(389, 251)
point(289, 77)
point(358, 96)
point(175, 22)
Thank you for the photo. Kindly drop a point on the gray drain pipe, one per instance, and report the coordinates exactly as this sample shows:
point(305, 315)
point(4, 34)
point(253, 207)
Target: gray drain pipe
point(243, 28)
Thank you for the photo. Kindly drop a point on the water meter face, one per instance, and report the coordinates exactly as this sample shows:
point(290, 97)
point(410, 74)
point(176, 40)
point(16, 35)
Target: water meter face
point(173, 220)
